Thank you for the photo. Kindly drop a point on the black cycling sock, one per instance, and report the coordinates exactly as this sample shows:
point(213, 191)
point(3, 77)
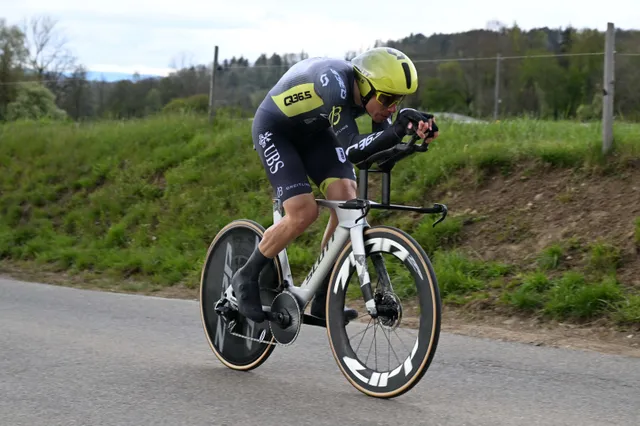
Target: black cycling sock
point(245, 285)
point(256, 262)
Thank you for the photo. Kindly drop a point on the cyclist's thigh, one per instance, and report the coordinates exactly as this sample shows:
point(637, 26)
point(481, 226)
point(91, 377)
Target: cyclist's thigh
point(282, 163)
point(325, 160)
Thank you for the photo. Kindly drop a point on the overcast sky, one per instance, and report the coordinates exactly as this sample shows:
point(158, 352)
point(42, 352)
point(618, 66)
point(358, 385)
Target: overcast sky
point(145, 35)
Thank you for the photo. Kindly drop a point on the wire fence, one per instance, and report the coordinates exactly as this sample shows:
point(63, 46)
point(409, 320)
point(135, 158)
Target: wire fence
point(489, 87)
point(284, 68)
point(484, 87)
point(549, 85)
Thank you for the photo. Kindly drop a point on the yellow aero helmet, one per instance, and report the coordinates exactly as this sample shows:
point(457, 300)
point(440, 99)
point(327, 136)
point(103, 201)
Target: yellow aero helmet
point(385, 69)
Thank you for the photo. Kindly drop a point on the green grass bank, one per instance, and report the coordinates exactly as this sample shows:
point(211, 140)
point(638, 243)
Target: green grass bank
point(134, 205)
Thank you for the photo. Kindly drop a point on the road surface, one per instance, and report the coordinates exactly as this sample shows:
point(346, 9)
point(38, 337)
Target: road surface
point(78, 357)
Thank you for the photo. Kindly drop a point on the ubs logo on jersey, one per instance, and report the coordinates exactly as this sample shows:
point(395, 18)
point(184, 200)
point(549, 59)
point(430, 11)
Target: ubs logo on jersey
point(272, 157)
point(297, 97)
point(271, 154)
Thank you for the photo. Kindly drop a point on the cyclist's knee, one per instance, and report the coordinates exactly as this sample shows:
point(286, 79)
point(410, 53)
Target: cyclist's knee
point(341, 189)
point(301, 211)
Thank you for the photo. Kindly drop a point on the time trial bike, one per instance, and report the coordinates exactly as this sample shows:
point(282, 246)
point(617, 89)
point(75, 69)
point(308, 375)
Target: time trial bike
point(382, 266)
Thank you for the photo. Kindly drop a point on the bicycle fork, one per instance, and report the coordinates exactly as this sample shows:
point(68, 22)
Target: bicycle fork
point(359, 259)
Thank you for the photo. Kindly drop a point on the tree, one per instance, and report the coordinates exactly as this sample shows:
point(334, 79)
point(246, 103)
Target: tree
point(49, 56)
point(261, 61)
point(550, 82)
point(450, 91)
point(12, 55)
point(153, 101)
point(77, 97)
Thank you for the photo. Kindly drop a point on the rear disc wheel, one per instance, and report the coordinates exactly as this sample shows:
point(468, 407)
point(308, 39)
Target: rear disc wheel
point(229, 251)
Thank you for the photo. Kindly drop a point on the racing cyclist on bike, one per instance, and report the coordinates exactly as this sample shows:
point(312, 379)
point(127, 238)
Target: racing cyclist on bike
point(305, 128)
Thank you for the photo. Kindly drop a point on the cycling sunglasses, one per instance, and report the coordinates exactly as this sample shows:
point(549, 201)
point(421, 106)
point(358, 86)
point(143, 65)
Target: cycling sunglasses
point(388, 100)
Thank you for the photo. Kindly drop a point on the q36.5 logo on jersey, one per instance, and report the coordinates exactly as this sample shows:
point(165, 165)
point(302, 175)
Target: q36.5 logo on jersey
point(298, 100)
point(297, 97)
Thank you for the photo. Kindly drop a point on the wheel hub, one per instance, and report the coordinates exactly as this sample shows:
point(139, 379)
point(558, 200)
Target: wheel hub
point(389, 310)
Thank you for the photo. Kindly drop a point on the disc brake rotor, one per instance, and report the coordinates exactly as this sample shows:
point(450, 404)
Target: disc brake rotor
point(389, 310)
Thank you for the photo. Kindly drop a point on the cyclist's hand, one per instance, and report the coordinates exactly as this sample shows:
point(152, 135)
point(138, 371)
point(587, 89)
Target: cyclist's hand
point(410, 121)
point(427, 130)
point(406, 119)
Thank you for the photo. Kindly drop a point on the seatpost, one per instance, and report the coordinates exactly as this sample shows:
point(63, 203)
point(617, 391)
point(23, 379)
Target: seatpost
point(386, 188)
point(363, 181)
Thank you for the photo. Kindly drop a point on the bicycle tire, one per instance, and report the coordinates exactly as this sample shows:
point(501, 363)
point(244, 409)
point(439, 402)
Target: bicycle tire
point(386, 384)
point(237, 353)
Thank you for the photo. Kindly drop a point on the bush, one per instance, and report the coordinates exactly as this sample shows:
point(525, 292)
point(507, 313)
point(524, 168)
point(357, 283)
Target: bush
point(195, 103)
point(34, 102)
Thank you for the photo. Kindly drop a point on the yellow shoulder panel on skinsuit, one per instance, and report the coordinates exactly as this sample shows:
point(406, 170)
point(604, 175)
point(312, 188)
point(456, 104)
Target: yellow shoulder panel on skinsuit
point(298, 100)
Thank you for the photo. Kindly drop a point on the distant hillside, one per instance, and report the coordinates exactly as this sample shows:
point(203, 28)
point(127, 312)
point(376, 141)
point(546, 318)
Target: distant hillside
point(111, 77)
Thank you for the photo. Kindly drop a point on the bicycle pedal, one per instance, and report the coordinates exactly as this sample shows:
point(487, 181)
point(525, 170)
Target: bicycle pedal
point(228, 314)
point(220, 306)
point(222, 310)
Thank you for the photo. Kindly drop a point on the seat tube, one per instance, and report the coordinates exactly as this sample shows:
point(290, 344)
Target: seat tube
point(357, 244)
point(278, 210)
point(278, 214)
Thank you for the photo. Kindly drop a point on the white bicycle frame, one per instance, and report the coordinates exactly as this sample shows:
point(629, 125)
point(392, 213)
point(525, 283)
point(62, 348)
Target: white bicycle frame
point(351, 225)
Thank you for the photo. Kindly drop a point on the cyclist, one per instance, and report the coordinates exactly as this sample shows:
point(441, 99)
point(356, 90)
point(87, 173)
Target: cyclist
point(305, 128)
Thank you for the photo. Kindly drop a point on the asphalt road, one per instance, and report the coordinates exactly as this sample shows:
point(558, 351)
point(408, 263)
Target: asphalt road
point(76, 357)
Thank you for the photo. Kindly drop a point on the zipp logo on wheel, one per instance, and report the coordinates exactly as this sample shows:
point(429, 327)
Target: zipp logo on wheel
point(380, 379)
point(227, 273)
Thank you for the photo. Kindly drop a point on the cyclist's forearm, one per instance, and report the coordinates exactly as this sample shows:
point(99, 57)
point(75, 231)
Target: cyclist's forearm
point(363, 146)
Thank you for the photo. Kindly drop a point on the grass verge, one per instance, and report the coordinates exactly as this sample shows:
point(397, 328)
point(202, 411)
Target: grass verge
point(141, 200)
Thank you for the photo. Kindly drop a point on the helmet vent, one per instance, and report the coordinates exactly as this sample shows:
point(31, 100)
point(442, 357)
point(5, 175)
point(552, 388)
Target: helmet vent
point(407, 74)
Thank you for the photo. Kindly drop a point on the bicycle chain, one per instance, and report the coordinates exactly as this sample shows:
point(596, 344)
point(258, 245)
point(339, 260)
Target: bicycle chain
point(256, 340)
point(253, 339)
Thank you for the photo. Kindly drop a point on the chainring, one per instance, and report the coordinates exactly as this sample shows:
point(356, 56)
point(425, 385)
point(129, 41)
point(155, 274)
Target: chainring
point(286, 303)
